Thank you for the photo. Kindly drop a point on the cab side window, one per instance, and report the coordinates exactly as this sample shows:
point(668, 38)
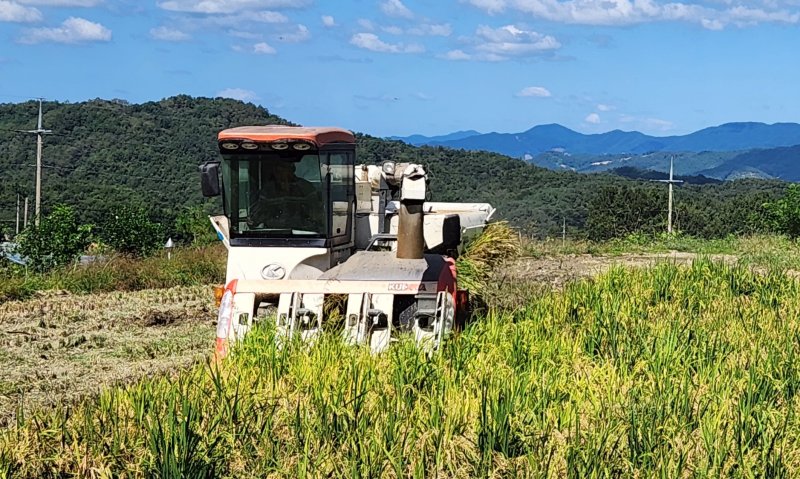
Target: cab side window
point(341, 174)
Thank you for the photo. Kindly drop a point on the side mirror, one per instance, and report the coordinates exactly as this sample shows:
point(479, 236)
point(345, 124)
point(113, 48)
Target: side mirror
point(209, 179)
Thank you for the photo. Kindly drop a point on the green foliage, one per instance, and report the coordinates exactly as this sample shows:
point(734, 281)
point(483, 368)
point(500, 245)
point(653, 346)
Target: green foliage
point(192, 226)
point(187, 267)
point(617, 212)
point(110, 154)
point(58, 240)
point(784, 213)
point(131, 232)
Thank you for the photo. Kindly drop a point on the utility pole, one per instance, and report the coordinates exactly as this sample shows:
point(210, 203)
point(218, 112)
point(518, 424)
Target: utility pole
point(39, 132)
point(25, 224)
point(670, 182)
point(16, 231)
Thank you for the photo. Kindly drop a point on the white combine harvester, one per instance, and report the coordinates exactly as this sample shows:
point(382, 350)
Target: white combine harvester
point(303, 222)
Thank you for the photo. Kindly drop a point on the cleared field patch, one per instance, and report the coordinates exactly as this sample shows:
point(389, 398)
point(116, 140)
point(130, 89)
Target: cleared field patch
point(666, 371)
point(59, 346)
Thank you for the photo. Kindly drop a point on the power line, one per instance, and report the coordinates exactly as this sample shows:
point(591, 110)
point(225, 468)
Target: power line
point(85, 208)
point(115, 176)
point(25, 97)
point(155, 178)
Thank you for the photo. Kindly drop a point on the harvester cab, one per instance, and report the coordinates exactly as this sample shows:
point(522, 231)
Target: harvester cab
point(304, 226)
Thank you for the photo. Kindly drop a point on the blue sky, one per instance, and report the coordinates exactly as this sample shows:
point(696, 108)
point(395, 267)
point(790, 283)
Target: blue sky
point(397, 67)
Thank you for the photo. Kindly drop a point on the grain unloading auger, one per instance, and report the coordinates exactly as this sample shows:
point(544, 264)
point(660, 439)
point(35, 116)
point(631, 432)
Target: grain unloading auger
point(303, 225)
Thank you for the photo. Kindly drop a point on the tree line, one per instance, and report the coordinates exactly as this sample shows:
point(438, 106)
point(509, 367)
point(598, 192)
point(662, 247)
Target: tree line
point(109, 155)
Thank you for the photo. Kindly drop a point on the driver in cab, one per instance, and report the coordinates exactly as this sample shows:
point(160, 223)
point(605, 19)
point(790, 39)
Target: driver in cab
point(287, 201)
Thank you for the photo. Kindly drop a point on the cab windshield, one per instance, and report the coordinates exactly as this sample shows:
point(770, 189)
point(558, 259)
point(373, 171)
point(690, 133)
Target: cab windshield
point(275, 195)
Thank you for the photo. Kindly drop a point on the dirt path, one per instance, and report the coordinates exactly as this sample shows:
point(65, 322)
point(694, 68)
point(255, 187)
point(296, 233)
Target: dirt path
point(558, 271)
point(59, 347)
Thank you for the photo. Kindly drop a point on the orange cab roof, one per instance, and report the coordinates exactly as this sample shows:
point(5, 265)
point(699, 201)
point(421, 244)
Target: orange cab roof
point(317, 135)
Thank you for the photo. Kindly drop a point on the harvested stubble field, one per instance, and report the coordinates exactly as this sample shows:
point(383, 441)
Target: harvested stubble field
point(665, 371)
point(59, 346)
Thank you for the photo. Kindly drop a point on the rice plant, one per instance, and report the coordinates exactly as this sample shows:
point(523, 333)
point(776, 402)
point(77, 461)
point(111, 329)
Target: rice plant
point(670, 371)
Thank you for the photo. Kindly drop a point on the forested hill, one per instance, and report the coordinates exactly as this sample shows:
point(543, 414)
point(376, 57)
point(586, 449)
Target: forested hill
point(105, 154)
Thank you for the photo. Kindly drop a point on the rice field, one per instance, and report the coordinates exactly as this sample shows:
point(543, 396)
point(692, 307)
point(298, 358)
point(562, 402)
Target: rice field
point(58, 347)
point(666, 371)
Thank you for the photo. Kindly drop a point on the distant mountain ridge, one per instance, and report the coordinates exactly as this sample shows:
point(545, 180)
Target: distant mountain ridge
point(781, 163)
point(542, 138)
point(418, 140)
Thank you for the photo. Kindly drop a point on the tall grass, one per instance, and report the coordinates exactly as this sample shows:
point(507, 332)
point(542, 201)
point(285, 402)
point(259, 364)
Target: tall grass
point(187, 267)
point(635, 243)
point(764, 250)
point(662, 372)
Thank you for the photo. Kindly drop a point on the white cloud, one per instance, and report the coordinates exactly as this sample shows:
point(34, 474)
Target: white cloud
point(423, 29)
point(712, 24)
point(301, 34)
point(328, 21)
point(393, 30)
point(238, 94)
point(456, 55)
point(370, 41)
point(245, 35)
point(742, 16)
point(510, 41)
point(602, 107)
point(592, 118)
point(395, 8)
point(535, 91)
point(263, 48)
point(227, 6)
point(169, 34)
point(647, 124)
point(432, 29)
point(710, 15)
point(658, 124)
point(62, 3)
point(14, 12)
point(366, 24)
point(238, 22)
point(491, 6)
point(73, 30)
point(265, 16)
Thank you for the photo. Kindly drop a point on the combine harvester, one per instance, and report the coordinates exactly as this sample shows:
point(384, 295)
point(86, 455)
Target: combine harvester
point(304, 223)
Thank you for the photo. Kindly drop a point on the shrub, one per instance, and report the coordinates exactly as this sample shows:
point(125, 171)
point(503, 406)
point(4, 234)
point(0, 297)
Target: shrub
point(193, 227)
point(784, 213)
point(132, 232)
point(58, 240)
